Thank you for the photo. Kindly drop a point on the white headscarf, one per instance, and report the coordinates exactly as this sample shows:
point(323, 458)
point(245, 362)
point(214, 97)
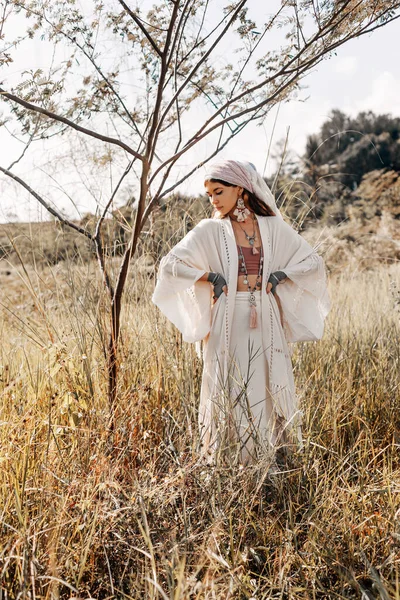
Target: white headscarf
point(243, 174)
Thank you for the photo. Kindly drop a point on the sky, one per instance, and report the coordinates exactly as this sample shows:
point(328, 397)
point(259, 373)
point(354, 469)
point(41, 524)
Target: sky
point(364, 75)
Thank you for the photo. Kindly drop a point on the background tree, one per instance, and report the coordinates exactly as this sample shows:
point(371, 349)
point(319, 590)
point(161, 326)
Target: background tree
point(183, 94)
point(347, 153)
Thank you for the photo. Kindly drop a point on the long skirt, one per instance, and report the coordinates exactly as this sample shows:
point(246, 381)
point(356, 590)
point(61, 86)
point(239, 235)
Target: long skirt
point(254, 427)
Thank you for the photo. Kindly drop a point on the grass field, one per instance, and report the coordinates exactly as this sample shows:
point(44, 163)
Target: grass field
point(86, 513)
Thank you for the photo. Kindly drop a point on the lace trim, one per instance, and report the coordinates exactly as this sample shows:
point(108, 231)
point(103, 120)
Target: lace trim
point(228, 257)
point(176, 259)
point(172, 260)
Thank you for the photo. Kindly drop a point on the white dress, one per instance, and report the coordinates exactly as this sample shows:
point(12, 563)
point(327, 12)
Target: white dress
point(187, 302)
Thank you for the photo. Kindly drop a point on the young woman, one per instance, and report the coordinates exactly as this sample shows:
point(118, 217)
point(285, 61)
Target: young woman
point(245, 283)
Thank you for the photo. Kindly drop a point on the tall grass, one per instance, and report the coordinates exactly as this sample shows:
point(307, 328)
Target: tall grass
point(132, 513)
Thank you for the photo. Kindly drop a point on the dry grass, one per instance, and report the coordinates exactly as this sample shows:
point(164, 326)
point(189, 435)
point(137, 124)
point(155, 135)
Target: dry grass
point(134, 515)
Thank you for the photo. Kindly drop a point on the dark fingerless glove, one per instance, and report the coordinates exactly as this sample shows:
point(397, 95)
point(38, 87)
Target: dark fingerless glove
point(275, 279)
point(218, 282)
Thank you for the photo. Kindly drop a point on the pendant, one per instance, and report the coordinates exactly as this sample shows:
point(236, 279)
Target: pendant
point(245, 281)
point(251, 241)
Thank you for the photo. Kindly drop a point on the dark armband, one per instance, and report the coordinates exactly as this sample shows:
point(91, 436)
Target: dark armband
point(276, 278)
point(218, 282)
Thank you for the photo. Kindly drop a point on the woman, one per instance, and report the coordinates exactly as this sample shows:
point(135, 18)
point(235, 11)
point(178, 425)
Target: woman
point(245, 283)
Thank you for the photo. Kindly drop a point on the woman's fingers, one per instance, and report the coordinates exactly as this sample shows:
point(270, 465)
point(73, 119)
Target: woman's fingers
point(269, 287)
point(225, 289)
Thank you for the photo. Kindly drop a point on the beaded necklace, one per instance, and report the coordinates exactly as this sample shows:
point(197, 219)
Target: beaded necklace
point(252, 298)
point(251, 238)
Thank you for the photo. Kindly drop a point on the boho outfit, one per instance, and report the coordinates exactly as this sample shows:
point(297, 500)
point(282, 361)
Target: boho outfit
point(247, 401)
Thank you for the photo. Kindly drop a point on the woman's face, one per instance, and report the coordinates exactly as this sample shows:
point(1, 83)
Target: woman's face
point(222, 197)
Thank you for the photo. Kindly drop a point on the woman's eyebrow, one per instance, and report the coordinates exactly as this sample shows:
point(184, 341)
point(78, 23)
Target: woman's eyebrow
point(214, 190)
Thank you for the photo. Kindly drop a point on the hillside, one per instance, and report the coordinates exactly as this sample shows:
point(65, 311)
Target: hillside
point(367, 234)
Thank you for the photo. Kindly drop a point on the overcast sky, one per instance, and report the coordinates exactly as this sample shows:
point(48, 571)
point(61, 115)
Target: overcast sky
point(365, 75)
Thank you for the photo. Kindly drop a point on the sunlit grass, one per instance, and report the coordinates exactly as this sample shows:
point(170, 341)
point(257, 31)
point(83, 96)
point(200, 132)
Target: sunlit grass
point(131, 513)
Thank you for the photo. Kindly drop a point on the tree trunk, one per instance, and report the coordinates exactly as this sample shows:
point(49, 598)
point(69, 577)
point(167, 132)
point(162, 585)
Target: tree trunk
point(116, 302)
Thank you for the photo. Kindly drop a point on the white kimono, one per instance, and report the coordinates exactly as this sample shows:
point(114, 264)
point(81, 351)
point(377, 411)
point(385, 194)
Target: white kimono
point(187, 302)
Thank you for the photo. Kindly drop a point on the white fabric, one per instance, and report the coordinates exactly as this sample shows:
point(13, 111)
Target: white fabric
point(187, 302)
point(249, 408)
point(243, 174)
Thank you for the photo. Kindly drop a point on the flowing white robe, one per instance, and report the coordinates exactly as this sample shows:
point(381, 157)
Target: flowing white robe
point(187, 303)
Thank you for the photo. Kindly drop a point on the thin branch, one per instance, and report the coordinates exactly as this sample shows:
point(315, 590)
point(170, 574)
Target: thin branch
point(180, 28)
point(198, 65)
point(202, 22)
point(106, 209)
point(46, 205)
point(316, 13)
point(157, 197)
point(299, 28)
point(60, 188)
point(3, 18)
point(363, 32)
point(55, 117)
point(141, 26)
point(97, 237)
point(152, 138)
point(100, 72)
point(180, 136)
point(295, 74)
point(202, 42)
point(27, 144)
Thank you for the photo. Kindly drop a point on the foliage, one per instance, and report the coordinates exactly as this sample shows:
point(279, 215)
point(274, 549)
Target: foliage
point(354, 146)
point(341, 161)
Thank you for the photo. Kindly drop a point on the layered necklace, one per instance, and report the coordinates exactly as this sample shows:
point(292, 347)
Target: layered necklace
point(252, 299)
point(250, 238)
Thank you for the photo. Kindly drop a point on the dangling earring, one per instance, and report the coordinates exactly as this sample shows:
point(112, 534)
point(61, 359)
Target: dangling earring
point(241, 212)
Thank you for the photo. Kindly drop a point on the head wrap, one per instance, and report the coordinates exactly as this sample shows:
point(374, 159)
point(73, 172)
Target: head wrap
point(245, 175)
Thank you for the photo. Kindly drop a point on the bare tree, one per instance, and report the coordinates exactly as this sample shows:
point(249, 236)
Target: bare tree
point(173, 50)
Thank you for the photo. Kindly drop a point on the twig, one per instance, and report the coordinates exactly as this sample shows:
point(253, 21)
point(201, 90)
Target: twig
point(46, 205)
point(61, 119)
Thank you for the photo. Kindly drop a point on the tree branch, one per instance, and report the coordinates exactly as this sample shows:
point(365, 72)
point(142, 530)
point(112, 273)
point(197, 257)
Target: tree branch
point(160, 194)
point(363, 32)
point(46, 205)
point(55, 117)
point(107, 81)
point(285, 70)
point(141, 27)
point(97, 237)
point(179, 30)
point(203, 41)
point(160, 88)
point(198, 65)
